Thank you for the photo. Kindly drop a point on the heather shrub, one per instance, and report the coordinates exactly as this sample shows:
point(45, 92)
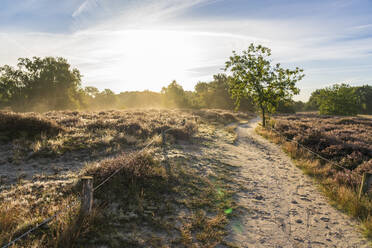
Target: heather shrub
point(222, 116)
point(135, 166)
point(29, 125)
point(345, 141)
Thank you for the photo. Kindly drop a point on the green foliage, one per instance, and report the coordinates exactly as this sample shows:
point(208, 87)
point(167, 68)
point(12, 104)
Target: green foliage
point(313, 103)
point(139, 99)
point(340, 99)
point(175, 96)
point(216, 95)
point(290, 106)
point(365, 97)
point(40, 84)
point(106, 99)
point(254, 76)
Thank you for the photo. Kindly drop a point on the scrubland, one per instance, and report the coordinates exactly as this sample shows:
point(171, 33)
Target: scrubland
point(346, 143)
point(162, 197)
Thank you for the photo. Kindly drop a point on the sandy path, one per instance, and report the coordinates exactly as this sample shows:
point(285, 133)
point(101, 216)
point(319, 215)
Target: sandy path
point(284, 208)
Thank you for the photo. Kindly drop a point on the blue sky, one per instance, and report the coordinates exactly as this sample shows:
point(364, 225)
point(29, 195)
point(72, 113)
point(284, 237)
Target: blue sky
point(136, 45)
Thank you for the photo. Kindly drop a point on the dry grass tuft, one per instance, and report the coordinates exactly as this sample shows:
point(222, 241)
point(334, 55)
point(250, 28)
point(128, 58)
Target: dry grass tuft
point(222, 116)
point(30, 125)
point(134, 167)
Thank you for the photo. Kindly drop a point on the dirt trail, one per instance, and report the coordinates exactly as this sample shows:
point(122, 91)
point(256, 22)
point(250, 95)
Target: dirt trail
point(283, 206)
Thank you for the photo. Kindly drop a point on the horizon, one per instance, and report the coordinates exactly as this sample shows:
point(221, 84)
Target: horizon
point(130, 46)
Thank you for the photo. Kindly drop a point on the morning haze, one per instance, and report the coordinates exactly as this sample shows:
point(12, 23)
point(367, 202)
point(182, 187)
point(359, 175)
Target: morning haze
point(199, 123)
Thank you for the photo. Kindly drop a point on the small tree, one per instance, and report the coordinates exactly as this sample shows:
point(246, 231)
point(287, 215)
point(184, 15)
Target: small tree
point(254, 76)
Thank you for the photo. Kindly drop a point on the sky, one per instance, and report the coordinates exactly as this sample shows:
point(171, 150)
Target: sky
point(128, 45)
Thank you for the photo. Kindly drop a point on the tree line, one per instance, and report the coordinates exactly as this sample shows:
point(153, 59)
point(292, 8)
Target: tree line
point(43, 84)
point(251, 83)
point(340, 99)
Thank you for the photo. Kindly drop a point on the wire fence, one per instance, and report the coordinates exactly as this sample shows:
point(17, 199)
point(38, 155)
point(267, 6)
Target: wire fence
point(307, 148)
point(366, 177)
point(46, 221)
point(31, 230)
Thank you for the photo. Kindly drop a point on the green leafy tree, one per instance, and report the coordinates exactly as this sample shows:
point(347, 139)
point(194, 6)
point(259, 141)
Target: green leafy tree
point(290, 107)
point(175, 96)
point(91, 91)
point(105, 99)
point(340, 99)
point(140, 99)
point(313, 104)
point(254, 76)
point(365, 94)
point(220, 97)
point(40, 84)
point(215, 94)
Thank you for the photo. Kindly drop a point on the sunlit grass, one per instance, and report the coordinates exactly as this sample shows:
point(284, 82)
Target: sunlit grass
point(143, 193)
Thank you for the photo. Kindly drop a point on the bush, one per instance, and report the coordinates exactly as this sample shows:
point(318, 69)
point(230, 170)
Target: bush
point(222, 116)
point(29, 125)
point(135, 166)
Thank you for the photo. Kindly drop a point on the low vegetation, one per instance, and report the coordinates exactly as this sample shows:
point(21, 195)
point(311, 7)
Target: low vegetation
point(345, 141)
point(159, 198)
point(28, 125)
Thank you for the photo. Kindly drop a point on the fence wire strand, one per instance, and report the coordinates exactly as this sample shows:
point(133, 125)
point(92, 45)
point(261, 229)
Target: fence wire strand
point(307, 149)
point(46, 221)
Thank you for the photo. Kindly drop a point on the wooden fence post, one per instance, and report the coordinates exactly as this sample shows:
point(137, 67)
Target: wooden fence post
point(163, 137)
point(365, 184)
point(87, 195)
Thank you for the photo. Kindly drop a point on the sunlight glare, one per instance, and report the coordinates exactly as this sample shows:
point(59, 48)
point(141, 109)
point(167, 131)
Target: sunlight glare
point(150, 56)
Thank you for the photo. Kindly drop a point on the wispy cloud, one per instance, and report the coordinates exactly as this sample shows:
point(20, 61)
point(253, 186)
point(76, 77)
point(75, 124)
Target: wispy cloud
point(85, 6)
point(135, 45)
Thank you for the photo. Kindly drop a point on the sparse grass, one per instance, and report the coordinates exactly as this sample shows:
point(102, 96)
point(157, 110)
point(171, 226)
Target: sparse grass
point(144, 205)
point(341, 189)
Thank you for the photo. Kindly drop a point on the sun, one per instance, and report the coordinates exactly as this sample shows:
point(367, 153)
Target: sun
point(153, 57)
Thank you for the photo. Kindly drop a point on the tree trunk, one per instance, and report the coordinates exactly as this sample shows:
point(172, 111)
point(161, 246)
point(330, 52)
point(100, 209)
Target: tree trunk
point(263, 117)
